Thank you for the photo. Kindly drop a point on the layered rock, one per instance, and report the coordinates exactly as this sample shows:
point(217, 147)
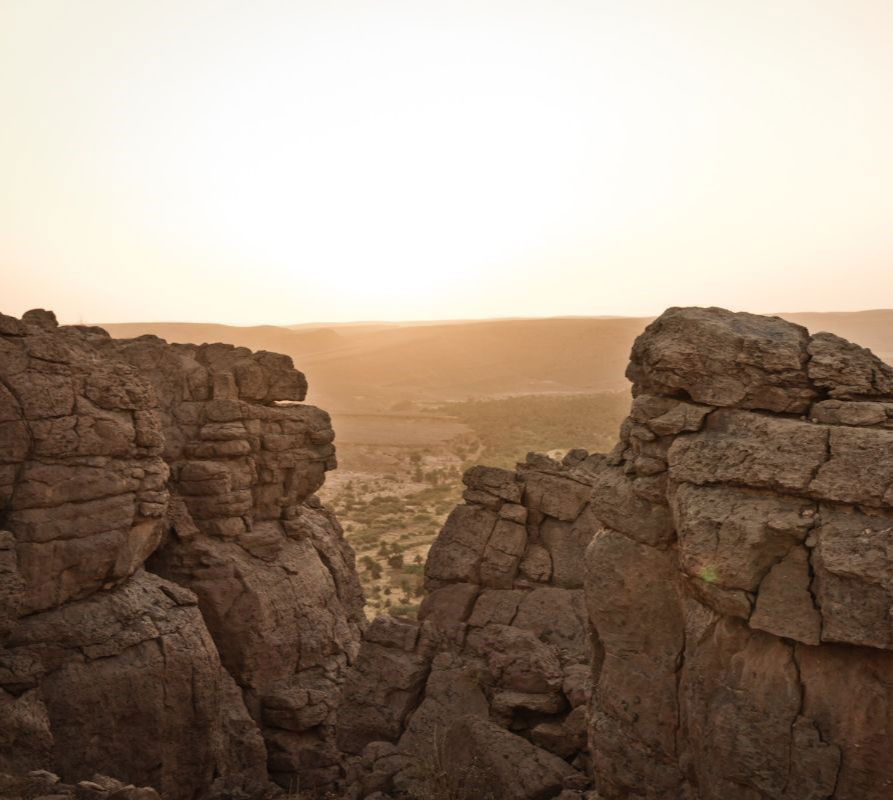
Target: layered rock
point(704, 613)
point(274, 577)
point(198, 463)
point(742, 584)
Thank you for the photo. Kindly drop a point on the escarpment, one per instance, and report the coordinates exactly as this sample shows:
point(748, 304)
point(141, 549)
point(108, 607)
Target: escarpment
point(704, 613)
point(176, 607)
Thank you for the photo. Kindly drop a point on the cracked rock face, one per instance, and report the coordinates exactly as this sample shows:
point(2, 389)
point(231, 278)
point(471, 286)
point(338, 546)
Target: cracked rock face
point(176, 607)
point(742, 645)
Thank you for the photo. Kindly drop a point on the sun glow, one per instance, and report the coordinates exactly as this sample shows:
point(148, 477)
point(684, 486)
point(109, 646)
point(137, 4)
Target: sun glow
point(286, 162)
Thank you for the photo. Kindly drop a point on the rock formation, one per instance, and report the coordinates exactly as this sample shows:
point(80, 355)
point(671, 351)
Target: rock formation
point(176, 608)
point(741, 588)
point(488, 691)
point(736, 550)
point(705, 613)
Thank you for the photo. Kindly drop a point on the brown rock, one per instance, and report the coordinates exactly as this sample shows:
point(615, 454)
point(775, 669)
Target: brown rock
point(138, 654)
point(383, 687)
point(724, 359)
point(616, 504)
point(859, 469)
point(784, 605)
point(503, 553)
point(840, 412)
point(456, 554)
point(751, 449)
point(848, 371)
point(731, 537)
point(484, 760)
point(449, 604)
point(499, 482)
point(557, 496)
point(853, 561)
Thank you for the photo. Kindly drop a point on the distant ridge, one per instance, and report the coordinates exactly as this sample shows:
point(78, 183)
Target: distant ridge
point(371, 365)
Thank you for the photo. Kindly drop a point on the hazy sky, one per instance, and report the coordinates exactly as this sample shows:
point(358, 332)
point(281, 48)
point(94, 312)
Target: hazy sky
point(281, 162)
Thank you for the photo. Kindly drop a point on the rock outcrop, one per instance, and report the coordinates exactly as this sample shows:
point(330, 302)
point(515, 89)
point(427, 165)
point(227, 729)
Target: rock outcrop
point(176, 607)
point(705, 611)
point(747, 637)
point(486, 695)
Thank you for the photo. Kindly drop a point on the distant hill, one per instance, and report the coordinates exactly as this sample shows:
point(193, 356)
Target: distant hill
point(372, 366)
point(258, 337)
point(871, 329)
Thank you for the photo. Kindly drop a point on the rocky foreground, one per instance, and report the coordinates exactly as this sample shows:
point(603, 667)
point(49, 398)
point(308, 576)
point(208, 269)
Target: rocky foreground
point(702, 614)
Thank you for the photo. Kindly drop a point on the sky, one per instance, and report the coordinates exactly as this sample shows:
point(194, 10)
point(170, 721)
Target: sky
point(288, 162)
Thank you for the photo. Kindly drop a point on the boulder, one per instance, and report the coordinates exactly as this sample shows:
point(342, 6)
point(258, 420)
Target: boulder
point(482, 760)
point(716, 357)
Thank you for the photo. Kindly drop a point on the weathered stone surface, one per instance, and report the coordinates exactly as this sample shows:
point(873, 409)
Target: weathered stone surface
point(744, 653)
point(731, 537)
point(557, 496)
point(40, 783)
point(557, 616)
point(845, 370)
point(536, 565)
point(112, 451)
point(384, 685)
point(665, 416)
point(11, 585)
point(847, 695)
point(740, 447)
point(859, 468)
point(616, 504)
point(740, 699)
point(632, 600)
point(484, 760)
point(285, 629)
point(567, 543)
point(840, 412)
point(89, 493)
point(275, 578)
point(26, 741)
point(141, 653)
point(853, 563)
point(503, 553)
point(517, 659)
point(507, 635)
point(453, 690)
point(456, 554)
point(785, 605)
point(499, 482)
point(449, 604)
point(716, 357)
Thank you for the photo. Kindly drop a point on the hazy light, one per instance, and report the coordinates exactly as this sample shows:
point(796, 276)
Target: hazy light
point(284, 162)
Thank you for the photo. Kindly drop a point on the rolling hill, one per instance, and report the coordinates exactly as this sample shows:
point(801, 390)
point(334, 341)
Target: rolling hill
point(371, 366)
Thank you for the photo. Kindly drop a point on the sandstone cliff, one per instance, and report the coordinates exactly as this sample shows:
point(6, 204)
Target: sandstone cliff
point(736, 556)
point(176, 608)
